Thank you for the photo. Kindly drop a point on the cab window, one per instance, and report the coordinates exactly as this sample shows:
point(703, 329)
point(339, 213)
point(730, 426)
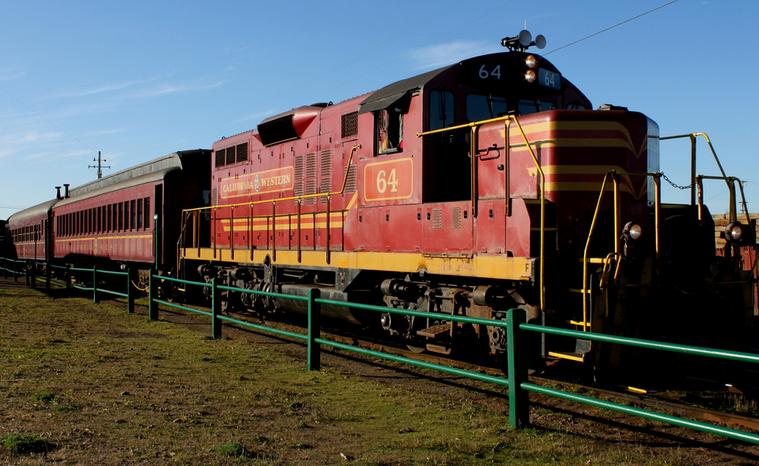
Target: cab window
point(389, 130)
point(440, 109)
point(483, 107)
point(535, 105)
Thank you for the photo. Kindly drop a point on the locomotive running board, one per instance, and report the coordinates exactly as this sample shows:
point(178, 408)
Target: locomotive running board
point(481, 266)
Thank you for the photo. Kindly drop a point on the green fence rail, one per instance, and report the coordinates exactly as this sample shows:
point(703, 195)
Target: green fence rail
point(30, 270)
point(516, 381)
point(517, 353)
point(10, 266)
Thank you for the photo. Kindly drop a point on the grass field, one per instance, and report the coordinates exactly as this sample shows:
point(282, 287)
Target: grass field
point(89, 384)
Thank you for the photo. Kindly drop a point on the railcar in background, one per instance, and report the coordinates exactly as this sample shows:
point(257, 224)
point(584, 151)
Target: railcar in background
point(129, 217)
point(30, 232)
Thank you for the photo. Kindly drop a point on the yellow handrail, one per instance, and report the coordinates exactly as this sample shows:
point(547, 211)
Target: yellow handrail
point(542, 210)
point(585, 291)
point(475, 125)
point(727, 179)
point(289, 198)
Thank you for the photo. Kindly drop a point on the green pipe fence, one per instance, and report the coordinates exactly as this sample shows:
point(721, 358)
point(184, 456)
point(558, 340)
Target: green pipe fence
point(516, 381)
point(129, 294)
point(644, 413)
point(12, 267)
point(647, 344)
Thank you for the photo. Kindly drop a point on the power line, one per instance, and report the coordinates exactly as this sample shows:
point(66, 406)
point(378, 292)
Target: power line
point(612, 26)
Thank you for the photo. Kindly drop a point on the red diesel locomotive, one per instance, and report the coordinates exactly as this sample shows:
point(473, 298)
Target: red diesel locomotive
point(470, 189)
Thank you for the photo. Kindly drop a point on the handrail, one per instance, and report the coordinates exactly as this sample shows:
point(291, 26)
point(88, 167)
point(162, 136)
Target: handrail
point(616, 213)
point(506, 119)
point(727, 179)
point(289, 198)
point(585, 291)
point(299, 199)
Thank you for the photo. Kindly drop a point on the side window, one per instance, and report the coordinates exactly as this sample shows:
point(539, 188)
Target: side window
point(440, 109)
point(242, 152)
point(220, 158)
point(389, 130)
point(133, 213)
point(139, 214)
point(147, 213)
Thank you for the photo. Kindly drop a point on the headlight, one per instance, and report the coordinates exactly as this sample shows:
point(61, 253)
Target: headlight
point(531, 61)
point(529, 76)
point(734, 232)
point(635, 231)
point(632, 231)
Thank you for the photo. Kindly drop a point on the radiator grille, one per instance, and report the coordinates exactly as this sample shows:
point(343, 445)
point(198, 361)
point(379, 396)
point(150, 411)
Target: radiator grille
point(325, 173)
point(437, 219)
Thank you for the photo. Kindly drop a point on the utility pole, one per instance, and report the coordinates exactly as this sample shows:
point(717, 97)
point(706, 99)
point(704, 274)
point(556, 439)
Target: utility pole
point(100, 165)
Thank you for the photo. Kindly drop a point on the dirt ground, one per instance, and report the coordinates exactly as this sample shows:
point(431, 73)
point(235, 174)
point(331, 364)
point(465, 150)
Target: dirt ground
point(94, 385)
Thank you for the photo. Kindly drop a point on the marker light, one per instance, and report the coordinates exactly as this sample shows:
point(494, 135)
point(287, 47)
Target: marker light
point(531, 61)
point(530, 76)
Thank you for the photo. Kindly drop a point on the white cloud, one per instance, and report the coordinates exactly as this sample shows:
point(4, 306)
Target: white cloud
point(101, 89)
point(104, 132)
point(166, 89)
point(256, 116)
point(14, 143)
point(28, 137)
point(65, 154)
point(11, 75)
point(432, 56)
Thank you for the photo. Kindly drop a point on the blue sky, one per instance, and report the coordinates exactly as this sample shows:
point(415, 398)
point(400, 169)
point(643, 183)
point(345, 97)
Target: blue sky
point(141, 79)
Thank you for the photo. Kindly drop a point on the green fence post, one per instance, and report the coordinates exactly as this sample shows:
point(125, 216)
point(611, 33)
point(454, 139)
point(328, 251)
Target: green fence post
point(94, 284)
point(67, 277)
point(519, 408)
point(152, 305)
point(215, 310)
point(30, 274)
point(314, 330)
point(129, 291)
point(48, 272)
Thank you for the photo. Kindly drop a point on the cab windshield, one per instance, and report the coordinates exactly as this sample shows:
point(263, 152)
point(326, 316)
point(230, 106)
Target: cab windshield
point(485, 106)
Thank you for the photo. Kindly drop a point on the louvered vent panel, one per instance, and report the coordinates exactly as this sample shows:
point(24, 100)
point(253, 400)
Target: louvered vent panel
point(325, 173)
point(457, 220)
point(298, 188)
point(350, 181)
point(349, 125)
point(310, 178)
point(437, 219)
